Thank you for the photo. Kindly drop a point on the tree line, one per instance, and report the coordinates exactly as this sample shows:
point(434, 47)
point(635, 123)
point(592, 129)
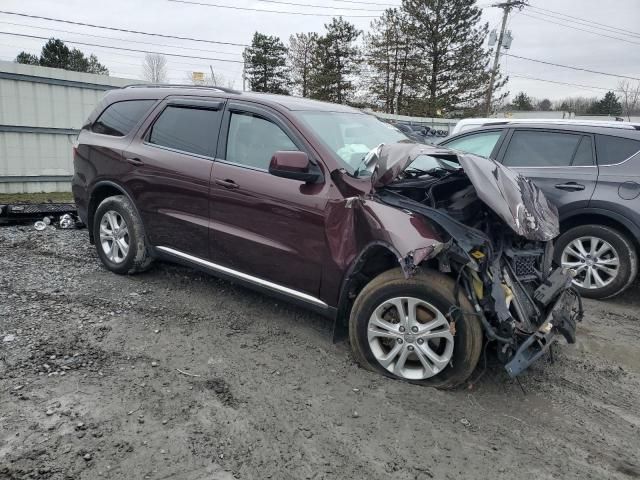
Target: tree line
point(425, 58)
point(56, 54)
point(624, 101)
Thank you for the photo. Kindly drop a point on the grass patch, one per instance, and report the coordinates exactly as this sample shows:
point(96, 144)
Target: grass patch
point(53, 197)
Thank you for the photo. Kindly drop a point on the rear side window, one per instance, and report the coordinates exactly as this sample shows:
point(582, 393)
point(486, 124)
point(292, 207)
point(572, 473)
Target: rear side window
point(615, 149)
point(186, 129)
point(541, 149)
point(120, 118)
point(477, 143)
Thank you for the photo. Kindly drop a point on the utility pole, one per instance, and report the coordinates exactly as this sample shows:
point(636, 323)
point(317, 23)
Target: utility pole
point(213, 77)
point(244, 70)
point(506, 7)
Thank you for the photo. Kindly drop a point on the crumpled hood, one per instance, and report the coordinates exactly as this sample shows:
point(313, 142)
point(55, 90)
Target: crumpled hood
point(513, 197)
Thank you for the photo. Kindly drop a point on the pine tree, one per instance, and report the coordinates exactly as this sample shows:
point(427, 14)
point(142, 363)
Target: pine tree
point(266, 64)
point(609, 105)
point(56, 54)
point(522, 101)
point(454, 66)
point(299, 59)
point(335, 62)
point(27, 59)
point(390, 58)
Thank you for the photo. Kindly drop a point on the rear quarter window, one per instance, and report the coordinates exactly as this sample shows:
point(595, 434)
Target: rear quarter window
point(612, 150)
point(118, 119)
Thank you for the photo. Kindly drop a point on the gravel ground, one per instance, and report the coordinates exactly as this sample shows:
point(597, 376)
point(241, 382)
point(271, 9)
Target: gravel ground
point(176, 375)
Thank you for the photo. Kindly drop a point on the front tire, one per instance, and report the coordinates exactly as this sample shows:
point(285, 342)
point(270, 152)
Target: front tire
point(119, 236)
point(604, 259)
point(402, 328)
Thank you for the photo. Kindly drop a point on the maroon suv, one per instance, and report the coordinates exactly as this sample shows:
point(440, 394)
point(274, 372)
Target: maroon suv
point(424, 256)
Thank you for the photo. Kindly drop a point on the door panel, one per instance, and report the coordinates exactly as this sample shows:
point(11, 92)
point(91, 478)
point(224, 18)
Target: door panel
point(562, 164)
point(262, 225)
point(171, 170)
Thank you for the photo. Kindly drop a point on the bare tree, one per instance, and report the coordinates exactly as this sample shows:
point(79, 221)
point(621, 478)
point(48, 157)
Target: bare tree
point(154, 68)
point(299, 60)
point(204, 79)
point(630, 97)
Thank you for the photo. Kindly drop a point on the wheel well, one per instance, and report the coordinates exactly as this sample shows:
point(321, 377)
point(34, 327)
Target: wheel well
point(373, 261)
point(596, 219)
point(97, 196)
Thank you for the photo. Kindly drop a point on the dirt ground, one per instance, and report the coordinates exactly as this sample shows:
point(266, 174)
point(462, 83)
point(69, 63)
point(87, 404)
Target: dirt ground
point(176, 375)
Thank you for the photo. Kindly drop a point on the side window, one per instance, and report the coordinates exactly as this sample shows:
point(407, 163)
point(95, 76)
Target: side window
point(186, 129)
point(252, 140)
point(612, 150)
point(119, 118)
point(584, 154)
point(477, 143)
point(541, 149)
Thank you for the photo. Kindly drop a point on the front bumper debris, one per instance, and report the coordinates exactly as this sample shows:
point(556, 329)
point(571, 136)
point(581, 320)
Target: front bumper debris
point(561, 320)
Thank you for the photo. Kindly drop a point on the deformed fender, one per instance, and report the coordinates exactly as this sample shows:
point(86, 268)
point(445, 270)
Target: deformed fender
point(356, 222)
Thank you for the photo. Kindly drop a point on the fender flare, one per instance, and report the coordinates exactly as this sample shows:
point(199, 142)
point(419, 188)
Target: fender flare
point(621, 219)
point(124, 191)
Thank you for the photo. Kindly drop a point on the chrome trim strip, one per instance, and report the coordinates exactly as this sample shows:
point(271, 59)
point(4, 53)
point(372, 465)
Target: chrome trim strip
point(249, 278)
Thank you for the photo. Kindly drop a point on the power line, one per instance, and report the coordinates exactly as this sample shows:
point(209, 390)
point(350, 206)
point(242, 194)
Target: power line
point(573, 17)
point(125, 49)
point(580, 29)
point(247, 9)
point(328, 7)
point(368, 3)
point(122, 29)
point(586, 24)
point(570, 67)
point(119, 39)
point(559, 83)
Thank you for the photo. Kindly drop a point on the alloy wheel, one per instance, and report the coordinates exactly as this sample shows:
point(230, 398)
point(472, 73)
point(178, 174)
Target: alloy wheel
point(114, 236)
point(410, 338)
point(594, 260)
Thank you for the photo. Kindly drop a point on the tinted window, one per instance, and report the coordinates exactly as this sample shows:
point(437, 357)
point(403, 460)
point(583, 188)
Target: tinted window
point(541, 149)
point(187, 129)
point(252, 141)
point(119, 118)
point(479, 143)
point(584, 154)
point(615, 149)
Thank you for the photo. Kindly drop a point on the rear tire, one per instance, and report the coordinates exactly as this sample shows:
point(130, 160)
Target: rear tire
point(612, 251)
point(119, 236)
point(429, 292)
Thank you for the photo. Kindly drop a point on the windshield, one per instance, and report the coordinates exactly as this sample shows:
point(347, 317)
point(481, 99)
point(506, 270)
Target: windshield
point(351, 135)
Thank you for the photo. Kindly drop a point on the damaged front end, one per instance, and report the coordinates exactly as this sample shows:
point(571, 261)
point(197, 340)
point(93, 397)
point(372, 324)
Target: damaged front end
point(497, 230)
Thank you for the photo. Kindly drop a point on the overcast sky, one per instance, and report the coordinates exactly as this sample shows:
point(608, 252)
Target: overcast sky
point(536, 38)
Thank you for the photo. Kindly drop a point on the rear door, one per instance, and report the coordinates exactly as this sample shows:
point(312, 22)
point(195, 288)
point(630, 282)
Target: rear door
point(561, 163)
point(171, 161)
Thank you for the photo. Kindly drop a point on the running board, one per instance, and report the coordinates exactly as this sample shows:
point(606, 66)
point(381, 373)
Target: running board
point(246, 277)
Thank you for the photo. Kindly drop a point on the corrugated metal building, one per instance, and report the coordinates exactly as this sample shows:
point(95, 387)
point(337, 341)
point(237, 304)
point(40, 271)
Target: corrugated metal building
point(41, 111)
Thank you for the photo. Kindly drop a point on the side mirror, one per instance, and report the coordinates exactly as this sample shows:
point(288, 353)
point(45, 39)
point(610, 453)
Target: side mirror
point(294, 165)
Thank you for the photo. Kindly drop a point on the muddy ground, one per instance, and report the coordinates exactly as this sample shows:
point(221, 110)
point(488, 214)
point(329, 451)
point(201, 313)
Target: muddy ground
point(176, 375)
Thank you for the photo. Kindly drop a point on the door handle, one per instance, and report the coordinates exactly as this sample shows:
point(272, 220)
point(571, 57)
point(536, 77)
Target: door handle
point(135, 161)
point(227, 183)
point(570, 186)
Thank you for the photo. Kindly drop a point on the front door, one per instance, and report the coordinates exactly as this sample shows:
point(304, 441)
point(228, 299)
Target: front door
point(262, 225)
point(172, 161)
point(561, 163)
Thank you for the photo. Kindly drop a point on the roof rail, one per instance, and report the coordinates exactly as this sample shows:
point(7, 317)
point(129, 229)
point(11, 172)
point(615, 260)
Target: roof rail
point(552, 121)
point(178, 85)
